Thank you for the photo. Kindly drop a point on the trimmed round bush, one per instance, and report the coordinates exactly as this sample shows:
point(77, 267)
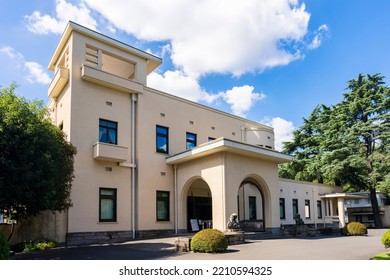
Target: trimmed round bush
point(386, 239)
point(4, 248)
point(356, 228)
point(209, 241)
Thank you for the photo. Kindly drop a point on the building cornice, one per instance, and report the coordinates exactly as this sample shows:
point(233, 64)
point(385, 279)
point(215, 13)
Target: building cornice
point(152, 61)
point(226, 145)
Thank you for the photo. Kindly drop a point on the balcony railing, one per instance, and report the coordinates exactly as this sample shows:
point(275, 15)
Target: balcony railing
point(103, 78)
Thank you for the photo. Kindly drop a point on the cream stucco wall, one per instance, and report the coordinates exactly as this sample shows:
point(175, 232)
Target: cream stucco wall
point(290, 189)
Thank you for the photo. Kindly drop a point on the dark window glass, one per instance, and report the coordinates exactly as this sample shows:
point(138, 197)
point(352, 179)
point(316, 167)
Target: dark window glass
point(282, 207)
point(107, 205)
point(190, 140)
point(108, 131)
point(162, 139)
point(252, 208)
point(319, 209)
point(162, 207)
point(295, 207)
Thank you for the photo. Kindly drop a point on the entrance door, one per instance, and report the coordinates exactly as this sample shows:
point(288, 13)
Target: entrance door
point(200, 209)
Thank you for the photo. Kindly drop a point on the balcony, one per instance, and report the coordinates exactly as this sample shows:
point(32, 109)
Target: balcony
point(94, 75)
point(109, 152)
point(60, 79)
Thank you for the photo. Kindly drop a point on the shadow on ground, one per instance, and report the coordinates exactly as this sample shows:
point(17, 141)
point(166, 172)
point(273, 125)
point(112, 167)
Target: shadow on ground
point(121, 251)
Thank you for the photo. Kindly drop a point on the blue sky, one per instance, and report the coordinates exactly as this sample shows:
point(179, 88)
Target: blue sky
point(266, 60)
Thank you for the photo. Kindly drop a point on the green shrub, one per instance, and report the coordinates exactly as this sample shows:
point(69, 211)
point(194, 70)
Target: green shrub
point(209, 241)
point(38, 245)
point(382, 256)
point(356, 228)
point(386, 239)
point(4, 248)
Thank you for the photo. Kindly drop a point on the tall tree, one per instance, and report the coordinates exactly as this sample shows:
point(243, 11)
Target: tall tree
point(36, 161)
point(347, 144)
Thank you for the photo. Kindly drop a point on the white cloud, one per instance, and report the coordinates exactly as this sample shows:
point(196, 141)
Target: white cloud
point(11, 53)
point(45, 24)
point(177, 83)
point(35, 72)
point(283, 130)
point(321, 33)
point(214, 36)
point(242, 99)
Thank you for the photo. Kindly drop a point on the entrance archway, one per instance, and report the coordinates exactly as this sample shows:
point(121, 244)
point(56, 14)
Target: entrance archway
point(250, 205)
point(199, 205)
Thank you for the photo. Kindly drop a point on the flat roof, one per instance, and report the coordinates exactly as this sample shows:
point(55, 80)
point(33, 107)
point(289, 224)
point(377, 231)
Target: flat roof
point(226, 145)
point(343, 195)
point(152, 61)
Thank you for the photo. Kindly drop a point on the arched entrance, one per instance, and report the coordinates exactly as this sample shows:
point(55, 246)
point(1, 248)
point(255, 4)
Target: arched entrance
point(250, 205)
point(199, 206)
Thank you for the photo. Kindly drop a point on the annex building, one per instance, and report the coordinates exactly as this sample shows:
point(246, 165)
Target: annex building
point(150, 163)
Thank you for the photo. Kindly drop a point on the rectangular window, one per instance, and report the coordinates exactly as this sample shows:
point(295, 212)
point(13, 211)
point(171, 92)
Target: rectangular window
point(252, 208)
point(282, 207)
point(295, 207)
point(107, 205)
point(190, 140)
point(162, 139)
point(319, 209)
point(162, 206)
point(307, 209)
point(108, 131)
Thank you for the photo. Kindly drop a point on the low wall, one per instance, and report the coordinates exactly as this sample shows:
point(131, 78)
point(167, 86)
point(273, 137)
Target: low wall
point(44, 226)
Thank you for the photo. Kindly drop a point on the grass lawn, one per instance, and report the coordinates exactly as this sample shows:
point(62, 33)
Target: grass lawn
point(383, 256)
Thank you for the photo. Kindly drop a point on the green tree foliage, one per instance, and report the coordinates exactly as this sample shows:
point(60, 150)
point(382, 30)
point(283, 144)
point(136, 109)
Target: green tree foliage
point(36, 162)
point(346, 144)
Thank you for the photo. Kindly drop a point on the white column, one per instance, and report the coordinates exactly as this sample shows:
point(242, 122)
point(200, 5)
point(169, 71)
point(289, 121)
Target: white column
point(331, 206)
point(340, 205)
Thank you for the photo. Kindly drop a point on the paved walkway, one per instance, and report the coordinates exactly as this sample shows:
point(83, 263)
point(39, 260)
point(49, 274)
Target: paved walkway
point(324, 248)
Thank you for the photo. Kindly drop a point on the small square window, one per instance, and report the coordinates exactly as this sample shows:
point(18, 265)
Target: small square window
point(108, 131)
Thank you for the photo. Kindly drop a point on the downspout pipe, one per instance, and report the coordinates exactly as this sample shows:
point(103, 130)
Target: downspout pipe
point(133, 164)
point(176, 198)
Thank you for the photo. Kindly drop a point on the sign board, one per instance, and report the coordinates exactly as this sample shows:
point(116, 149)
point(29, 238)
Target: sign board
point(194, 224)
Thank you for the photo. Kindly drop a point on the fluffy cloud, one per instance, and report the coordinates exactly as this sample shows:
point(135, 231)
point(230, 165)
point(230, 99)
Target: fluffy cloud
point(283, 130)
point(11, 53)
point(180, 84)
point(242, 99)
point(213, 36)
point(35, 71)
point(200, 37)
point(44, 24)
